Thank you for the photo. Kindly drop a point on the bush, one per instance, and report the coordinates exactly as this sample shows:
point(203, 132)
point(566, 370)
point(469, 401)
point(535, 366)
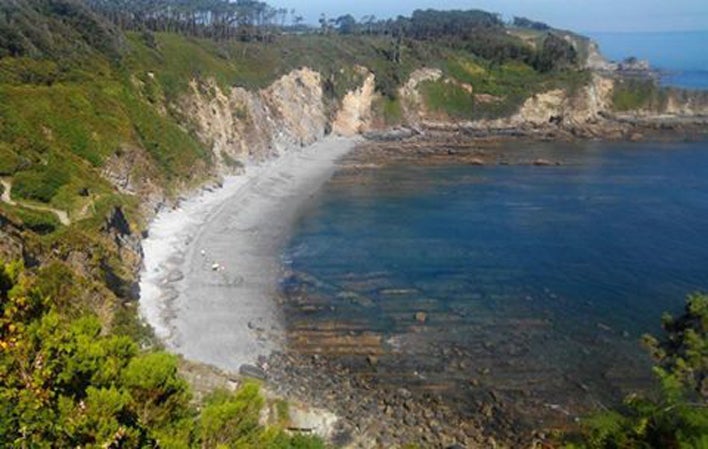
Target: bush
point(678, 418)
point(449, 98)
point(8, 160)
point(633, 94)
point(231, 419)
point(40, 183)
point(40, 222)
point(65, 383)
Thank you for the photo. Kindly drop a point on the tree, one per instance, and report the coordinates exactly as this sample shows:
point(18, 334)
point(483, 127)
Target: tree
point(682, 356)
point(347, 24)
point(555, 53)
point(523, 22)
point(65, 382)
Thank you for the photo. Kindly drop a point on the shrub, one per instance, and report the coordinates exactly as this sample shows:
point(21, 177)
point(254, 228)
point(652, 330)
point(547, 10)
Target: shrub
point(41, 183)
point(448, 97)
point(678, 418)
point(38, 221)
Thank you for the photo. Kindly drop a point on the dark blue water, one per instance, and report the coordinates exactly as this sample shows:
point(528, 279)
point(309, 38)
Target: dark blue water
point(544, 276)
point(681, 56)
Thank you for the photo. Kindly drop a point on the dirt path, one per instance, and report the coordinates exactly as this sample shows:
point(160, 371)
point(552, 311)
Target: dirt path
point(7, 186)
point(7, 198)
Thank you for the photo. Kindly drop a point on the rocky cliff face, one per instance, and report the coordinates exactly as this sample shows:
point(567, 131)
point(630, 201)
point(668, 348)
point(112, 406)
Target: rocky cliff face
point(355, 116)
point(558, 106)
point(413, 105)
point(677, 102)
point(240, 125)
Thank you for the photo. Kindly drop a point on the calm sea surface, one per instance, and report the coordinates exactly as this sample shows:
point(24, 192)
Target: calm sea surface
point(682, 56)
point(538, 281)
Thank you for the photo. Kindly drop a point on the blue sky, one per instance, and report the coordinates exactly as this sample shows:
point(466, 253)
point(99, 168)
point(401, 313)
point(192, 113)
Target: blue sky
point(578, 15)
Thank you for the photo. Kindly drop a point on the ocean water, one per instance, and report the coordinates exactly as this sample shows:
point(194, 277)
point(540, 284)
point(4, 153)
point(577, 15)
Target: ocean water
point(535, 281)
point(681, 56)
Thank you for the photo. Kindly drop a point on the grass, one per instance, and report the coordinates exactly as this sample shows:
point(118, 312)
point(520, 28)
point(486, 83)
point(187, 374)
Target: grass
point(448, 97)
point(54, 137)
point(41, 183)
point(9, 160)
point(634, 94)
point(508, 85)
point(39, 222)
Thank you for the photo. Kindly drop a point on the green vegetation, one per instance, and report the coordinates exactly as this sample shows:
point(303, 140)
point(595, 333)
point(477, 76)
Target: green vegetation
point(634, 94)
point(450, 98)
point(80, 84)
point(38, 221)
point(677, 417)
point(497, 90)
point(65, 382)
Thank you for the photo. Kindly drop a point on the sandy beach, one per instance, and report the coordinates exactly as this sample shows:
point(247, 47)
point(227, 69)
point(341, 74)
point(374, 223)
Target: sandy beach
point(211, 266)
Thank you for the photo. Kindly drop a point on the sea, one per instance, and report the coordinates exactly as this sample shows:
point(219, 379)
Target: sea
point(680, 56)
point(536, 282)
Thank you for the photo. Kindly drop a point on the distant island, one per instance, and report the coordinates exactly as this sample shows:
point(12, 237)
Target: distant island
point(113, 111)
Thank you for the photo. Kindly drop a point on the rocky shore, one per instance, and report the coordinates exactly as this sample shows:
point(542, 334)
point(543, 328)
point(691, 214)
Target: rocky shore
point(375, 415)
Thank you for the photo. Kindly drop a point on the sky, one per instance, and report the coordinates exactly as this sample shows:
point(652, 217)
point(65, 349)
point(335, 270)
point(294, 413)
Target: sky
point(576, 15)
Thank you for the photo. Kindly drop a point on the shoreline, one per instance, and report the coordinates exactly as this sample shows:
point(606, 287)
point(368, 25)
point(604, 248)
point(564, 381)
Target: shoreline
point(366, 411)
point(211, 267)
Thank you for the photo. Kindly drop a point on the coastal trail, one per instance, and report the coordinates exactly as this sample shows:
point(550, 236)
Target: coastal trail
point(63, 216)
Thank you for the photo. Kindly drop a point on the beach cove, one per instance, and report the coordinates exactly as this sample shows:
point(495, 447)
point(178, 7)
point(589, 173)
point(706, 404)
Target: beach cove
point(211, 265)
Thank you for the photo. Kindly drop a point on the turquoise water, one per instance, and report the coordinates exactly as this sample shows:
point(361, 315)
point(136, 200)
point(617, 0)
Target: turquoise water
point(540, 280)
point(680, 55)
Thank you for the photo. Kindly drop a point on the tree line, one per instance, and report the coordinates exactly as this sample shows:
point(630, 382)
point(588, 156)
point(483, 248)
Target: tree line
point(479, 32)
point(218, 19)
point(24, 30)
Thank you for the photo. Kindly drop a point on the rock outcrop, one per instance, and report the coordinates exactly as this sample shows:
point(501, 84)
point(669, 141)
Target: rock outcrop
point(241, 125)
point(558, 107)
point(411, 99)
point(354, 116)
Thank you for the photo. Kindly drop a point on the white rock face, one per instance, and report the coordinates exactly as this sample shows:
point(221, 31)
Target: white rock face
point(243, 125)
point(240, 125)
point(354, 117)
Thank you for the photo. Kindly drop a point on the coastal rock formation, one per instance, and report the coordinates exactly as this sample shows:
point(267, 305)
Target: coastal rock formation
point(354, 116)
point(240, 124)
point(680, 103)
point(131, 171)
point(412, 100)
point(596, 61)
point(556, 106)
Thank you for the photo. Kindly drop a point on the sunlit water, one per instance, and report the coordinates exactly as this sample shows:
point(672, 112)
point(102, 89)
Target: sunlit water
point(538, 281)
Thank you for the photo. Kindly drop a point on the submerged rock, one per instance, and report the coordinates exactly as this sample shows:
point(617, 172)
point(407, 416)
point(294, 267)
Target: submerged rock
point(421, 317)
